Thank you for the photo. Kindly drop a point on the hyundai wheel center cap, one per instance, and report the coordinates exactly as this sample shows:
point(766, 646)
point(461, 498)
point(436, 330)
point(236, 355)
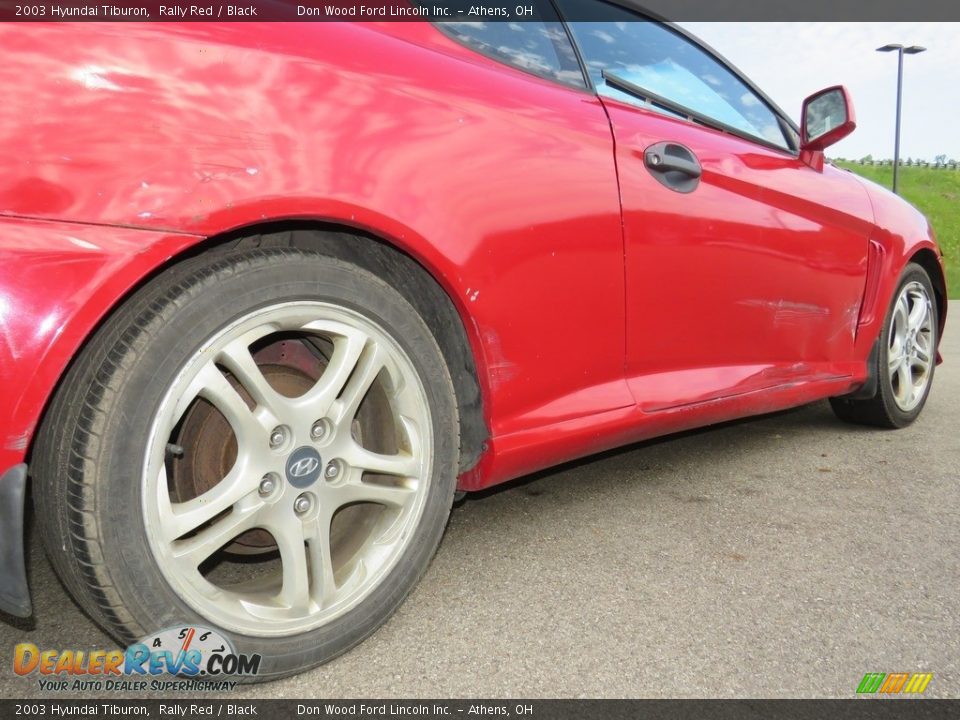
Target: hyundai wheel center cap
point(303, 467)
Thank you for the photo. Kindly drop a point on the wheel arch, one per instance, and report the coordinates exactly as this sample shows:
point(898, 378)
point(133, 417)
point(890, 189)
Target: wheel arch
point(927, 259)
point(422, 286)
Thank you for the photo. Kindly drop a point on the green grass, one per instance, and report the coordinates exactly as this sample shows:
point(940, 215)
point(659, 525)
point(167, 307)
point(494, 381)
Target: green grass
point(936, 193)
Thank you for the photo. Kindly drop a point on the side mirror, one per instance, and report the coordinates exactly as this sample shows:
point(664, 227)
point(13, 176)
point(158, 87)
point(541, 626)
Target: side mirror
point(827, 118)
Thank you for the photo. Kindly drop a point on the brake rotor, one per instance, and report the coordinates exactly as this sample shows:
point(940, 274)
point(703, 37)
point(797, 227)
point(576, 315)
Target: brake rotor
point(210, 446)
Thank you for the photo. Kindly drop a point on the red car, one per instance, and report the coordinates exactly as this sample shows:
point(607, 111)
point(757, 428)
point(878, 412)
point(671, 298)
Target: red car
point(273, 294)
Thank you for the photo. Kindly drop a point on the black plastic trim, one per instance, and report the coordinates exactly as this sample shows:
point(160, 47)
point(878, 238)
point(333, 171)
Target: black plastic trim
point(870, 385)
point(14, 592)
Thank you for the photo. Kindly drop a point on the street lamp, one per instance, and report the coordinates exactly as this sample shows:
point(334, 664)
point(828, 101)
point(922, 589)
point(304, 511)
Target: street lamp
point(901, 50)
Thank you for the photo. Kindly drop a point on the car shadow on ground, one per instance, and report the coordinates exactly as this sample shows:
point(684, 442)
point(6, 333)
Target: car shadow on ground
point(696, 446)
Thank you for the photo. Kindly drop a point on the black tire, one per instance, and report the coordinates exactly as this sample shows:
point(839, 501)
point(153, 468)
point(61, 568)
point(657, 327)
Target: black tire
point(89, 454)
point(881, 410)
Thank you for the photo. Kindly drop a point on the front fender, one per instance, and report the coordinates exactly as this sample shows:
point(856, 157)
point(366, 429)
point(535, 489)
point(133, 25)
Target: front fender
point(901, 233)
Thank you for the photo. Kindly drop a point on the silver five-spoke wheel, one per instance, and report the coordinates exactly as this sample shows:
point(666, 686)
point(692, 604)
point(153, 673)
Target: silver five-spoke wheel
point(263, 441)
point(911, 353)
point(299, 439)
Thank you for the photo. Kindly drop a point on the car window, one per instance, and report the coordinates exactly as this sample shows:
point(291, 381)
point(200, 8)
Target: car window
point(539, 46)
point(659, 60)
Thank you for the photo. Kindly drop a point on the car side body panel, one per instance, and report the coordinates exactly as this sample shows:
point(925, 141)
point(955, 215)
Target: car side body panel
point(138, 143)
point(200, 129)
point(766, 260)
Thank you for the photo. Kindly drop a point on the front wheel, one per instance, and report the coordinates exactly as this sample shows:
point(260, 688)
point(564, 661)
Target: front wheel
point(261, 442)
point(906, 359)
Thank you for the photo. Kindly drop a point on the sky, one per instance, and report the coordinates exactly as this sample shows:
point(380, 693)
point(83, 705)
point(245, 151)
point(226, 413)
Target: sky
point(789, 61)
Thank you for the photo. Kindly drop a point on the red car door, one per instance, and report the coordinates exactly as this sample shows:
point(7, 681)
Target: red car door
point(745, 267)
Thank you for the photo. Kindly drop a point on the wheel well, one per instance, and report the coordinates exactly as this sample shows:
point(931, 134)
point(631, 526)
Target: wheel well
point(411, 279)
point(403, 272)
point(927, 259)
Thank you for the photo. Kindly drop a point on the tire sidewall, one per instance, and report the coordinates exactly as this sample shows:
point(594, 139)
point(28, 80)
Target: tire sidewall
point(212, 297)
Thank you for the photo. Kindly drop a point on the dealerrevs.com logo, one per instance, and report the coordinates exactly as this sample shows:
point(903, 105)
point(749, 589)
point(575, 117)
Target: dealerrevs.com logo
point(187, 658)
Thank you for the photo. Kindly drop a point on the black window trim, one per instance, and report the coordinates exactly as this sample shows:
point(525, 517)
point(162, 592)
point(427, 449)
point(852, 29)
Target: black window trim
point(786, 123)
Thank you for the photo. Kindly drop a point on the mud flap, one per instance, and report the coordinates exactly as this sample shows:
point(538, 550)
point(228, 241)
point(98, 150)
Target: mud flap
point(14, 593)
point(870, 385)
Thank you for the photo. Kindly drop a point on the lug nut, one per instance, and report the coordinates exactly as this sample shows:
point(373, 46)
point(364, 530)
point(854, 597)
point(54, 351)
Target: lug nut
point(277, 436)
point(318, 430)
point(268, 484)
point(333, 469)
point(301, 504)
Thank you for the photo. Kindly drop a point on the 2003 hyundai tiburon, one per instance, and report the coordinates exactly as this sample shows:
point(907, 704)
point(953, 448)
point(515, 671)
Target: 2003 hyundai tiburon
point(272, 294)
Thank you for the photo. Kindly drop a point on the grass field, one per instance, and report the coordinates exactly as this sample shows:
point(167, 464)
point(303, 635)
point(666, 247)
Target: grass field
point(936, 193)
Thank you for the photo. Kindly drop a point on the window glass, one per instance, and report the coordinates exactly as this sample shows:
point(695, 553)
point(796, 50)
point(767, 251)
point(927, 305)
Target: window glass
point(657, 59)
point(540, 46)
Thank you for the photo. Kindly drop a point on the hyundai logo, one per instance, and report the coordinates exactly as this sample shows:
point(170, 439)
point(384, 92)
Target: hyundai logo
point(303, 466)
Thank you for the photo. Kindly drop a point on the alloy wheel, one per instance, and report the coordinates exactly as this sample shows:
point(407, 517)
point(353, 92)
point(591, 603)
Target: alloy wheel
point(910, 353)
point(288, 466)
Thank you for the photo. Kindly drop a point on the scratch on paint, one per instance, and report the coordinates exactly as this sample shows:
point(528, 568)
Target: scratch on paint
point(18, 442)
point(785, 310)
point(501, 369)
point(223, 172)
point(851, 315)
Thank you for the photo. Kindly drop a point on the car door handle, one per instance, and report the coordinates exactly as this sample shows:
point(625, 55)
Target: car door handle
point(673, 165)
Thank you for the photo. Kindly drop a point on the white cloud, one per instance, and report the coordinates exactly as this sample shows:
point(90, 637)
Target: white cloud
point(605, 36)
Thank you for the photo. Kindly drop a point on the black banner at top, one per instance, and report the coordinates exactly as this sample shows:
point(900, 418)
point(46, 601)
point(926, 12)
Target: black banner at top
point(466, 11)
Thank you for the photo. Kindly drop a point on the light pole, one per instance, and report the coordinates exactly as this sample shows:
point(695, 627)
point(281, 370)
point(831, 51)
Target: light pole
point(912, 50)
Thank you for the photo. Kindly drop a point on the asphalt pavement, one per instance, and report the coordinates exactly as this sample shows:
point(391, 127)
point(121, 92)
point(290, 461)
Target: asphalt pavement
point(783, 556)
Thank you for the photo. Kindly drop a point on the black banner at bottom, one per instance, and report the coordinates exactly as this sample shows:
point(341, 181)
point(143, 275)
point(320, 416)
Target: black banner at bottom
point(201, 709)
